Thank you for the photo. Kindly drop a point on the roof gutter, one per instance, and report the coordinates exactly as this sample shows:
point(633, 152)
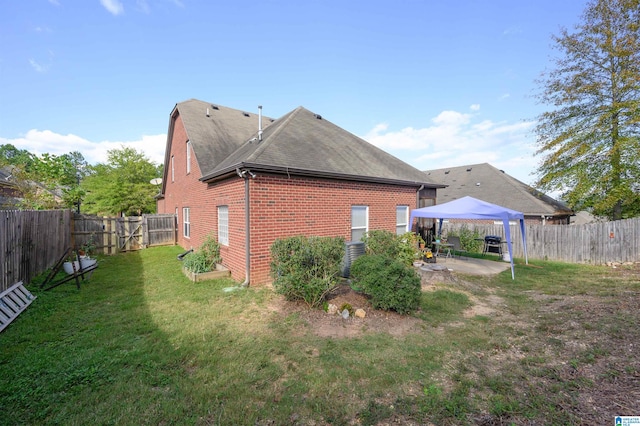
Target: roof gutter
point(230, 171)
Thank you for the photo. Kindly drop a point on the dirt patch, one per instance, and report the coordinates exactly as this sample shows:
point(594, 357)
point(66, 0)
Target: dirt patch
point(323, 324)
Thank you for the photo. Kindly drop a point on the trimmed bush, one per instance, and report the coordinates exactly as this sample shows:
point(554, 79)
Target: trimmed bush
point(390, 284)
point(306, 268)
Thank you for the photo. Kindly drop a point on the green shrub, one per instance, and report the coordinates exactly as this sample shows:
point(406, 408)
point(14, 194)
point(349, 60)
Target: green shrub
point(405, 248)
point(409, 248)
point(204, 259)
point(390, 284)
point(472, 241)
point(306, 268)
point(211, 249)
point(381, 242)
point(197, 262)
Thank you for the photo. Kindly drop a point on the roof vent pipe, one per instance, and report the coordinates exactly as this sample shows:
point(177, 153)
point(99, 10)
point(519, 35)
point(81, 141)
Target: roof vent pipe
point(259, 123)
point(208, 112)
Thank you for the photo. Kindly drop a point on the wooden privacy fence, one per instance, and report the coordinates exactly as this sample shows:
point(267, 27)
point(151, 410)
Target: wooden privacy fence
point(31, 242)
point(595, 243)
point(110, 235)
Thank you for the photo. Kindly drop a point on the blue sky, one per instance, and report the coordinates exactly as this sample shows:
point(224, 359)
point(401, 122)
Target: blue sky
point(435, 83)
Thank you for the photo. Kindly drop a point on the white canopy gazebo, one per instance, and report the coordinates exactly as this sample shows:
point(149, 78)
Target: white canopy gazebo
point(472, 208)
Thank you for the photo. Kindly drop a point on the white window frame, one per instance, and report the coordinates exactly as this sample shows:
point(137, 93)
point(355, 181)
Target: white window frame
point(405, 223)
point(364, 228)
point(186, 222)
point(223, 225)
point(188, 157)
point(173, 170)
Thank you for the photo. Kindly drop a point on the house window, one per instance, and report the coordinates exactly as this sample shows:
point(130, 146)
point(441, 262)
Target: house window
point(402, 219)
point(359, 222)
point(188, 157)
point(173, 170)
point(223, 225)
point(186, 222)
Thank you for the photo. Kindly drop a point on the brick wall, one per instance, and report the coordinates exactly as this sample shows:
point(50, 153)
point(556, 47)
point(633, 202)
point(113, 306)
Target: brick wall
point(182, 189)
point(282, 207)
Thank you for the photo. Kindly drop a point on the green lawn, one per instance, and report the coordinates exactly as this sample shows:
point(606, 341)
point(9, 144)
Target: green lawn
point(140, 344)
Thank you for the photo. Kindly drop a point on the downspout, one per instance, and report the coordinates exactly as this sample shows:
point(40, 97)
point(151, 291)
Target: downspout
point(247, 223)
point(417, 206)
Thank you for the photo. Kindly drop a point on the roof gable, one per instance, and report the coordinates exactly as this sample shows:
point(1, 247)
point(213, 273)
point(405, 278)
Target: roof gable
point(215, 131)
point(485, 182)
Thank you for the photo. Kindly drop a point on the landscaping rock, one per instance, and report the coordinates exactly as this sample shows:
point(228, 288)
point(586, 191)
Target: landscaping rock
point(360, 313)
point(345, 314)
point(332, 309)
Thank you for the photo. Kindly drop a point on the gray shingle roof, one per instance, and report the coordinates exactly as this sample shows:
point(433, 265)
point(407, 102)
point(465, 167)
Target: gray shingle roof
point(300, 142)
point(217, 136)
point(485, 182)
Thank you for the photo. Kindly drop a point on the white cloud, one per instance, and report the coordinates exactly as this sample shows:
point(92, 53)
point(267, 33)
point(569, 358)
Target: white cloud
point(54, 2)
point(38, 67)
point(46, 141)
point(114, 7)
point(457, 139)
point(505, 96)
point(475, 107)
point(512, 31)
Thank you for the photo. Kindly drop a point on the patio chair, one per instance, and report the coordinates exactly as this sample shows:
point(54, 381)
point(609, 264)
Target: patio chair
point(457, 245)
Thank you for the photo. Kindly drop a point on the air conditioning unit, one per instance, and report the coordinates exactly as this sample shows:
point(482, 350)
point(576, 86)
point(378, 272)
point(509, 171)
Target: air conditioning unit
point(353, 250)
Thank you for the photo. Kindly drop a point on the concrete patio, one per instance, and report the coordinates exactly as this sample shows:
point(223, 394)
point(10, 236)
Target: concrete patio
point(467, 265)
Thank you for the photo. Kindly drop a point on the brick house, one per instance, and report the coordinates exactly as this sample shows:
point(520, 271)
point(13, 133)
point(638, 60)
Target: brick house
point(487, 183)
point(250, 179)
point(10, 194)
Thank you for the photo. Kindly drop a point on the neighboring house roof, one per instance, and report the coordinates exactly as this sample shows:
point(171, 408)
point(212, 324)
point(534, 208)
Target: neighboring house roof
point(584, 217)
point(12, 188)
point(485, 182)
point(10, 195)
point(300, 142)
point(5, 175)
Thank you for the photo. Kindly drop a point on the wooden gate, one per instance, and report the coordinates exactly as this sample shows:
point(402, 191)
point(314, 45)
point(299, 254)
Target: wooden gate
point(129, 233)
point(110, 235)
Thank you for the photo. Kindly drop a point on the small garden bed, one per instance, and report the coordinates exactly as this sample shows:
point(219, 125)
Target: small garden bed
point(220, 272)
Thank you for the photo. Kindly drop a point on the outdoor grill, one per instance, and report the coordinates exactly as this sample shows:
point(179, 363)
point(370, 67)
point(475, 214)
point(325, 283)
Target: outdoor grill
point(492, 244)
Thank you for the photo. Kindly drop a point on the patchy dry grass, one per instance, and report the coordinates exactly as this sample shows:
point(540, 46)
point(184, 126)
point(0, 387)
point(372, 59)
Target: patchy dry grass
point(139, 343)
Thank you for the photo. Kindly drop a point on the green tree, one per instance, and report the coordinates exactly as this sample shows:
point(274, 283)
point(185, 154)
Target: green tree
point(122, 185)
point(12, 156)
point(591, 139)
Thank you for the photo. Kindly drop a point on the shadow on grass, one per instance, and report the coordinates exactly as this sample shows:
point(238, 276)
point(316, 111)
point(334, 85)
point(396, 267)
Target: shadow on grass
point(72, 356)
